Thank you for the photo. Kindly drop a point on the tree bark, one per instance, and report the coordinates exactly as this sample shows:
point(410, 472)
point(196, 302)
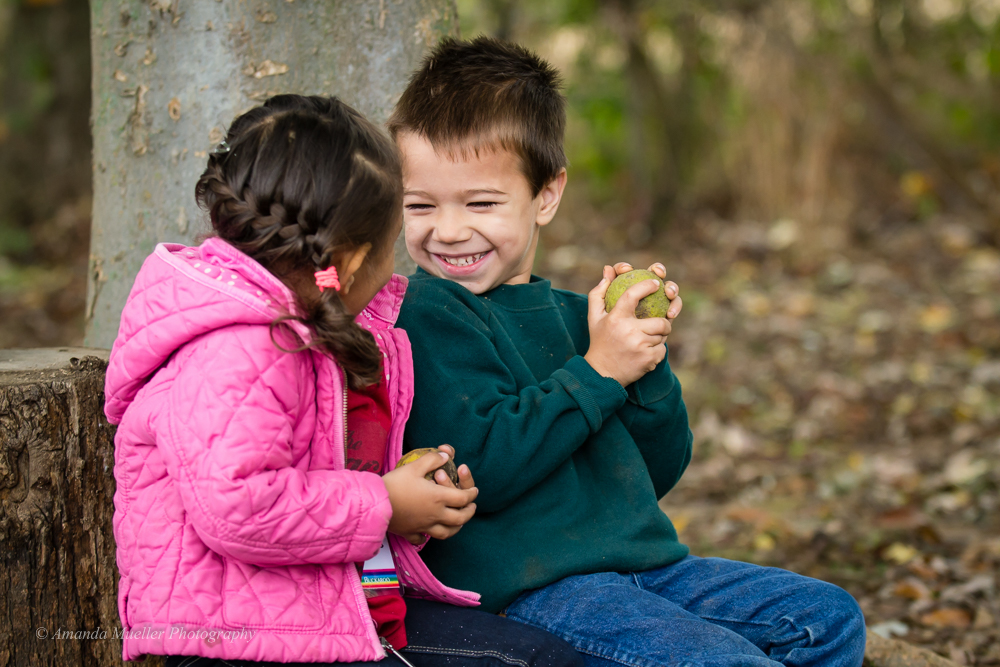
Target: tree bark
point(56, 491)
point(170, 75)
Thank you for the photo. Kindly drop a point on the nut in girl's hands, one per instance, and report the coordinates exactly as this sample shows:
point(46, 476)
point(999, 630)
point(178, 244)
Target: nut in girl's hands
point(438, 508)
point(449, 467)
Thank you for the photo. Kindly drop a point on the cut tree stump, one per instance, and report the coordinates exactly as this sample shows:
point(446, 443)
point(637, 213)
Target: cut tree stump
point(56, 503)
point(56, 492)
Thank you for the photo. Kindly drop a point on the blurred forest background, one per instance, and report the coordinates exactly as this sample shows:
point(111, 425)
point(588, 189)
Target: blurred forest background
point(821, 177)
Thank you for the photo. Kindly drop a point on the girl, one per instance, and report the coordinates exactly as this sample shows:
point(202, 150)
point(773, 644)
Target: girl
point(258, 383)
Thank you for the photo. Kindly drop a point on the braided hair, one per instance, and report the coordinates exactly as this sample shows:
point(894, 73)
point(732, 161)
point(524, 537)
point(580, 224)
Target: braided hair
point(305, 178)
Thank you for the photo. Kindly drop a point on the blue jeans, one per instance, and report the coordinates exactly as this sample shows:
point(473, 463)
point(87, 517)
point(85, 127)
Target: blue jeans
point(700, 612)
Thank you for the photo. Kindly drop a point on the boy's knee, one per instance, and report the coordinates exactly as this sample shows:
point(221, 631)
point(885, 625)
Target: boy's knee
point(845, 620)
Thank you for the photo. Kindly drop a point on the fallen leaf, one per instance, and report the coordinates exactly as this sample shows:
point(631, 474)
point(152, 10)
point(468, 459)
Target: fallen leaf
point(174, 109)
point(949, 617)
point(984, 619)
point(916, 184)
point(783, 234)
point(120, 76)
point(901, 518)
point(912, 589)
point(266, 17)
point(270, 68)
point(936, 318)
point(764, 542)
point(900, 553)
point(890, 629)
point(754, 515)
point(962, 468)
point(149, 58)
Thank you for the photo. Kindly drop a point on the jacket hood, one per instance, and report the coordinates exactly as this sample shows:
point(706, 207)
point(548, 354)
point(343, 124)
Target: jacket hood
point(182, 293)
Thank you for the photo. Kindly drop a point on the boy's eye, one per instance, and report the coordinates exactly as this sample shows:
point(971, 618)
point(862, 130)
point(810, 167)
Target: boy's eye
point(483, 204)
point(418, 207)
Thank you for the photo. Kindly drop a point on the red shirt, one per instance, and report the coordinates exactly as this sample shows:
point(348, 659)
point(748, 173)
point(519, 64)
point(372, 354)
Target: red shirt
point(368, 422)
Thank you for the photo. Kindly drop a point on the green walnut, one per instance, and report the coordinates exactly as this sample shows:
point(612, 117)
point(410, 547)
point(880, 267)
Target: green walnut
point(654, 305)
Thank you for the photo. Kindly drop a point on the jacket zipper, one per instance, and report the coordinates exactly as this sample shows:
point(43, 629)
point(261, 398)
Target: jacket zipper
point(343, 376)
point(389, 647)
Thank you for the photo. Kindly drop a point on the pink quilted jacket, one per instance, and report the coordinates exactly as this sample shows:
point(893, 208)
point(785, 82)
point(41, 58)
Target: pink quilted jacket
point(238, 527)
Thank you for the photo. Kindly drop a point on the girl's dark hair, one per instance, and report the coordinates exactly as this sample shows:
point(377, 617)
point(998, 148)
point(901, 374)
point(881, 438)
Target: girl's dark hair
point(296, 181)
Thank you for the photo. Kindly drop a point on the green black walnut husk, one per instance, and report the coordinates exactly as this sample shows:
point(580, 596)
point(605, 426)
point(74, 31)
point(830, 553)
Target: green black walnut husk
point(654, 305)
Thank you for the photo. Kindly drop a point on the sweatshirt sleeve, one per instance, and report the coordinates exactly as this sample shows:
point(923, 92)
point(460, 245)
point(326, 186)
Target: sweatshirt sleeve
point(227, 430)
point(657, 420)
point(511, 437)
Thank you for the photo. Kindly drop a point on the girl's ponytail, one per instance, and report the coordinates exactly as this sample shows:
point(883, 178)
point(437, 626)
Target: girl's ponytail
point(297, 180)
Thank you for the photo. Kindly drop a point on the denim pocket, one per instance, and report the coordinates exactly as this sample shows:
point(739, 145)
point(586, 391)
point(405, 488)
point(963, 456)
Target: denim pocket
point(278, 598)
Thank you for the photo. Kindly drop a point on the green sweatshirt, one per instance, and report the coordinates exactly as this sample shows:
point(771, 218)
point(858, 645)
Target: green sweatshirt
point(568, 463)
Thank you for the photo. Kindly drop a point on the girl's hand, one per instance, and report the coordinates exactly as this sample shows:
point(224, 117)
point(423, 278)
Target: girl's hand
point(465, 480)
point(670, 288)
point(421, 507)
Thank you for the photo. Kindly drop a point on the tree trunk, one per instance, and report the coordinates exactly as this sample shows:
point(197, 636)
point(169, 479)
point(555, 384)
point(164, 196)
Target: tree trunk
point(170, 75)
point(56, 490)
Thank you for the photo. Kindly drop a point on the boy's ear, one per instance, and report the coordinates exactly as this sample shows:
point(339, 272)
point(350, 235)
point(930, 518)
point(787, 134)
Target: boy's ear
point(551, 195)
point(350, 261)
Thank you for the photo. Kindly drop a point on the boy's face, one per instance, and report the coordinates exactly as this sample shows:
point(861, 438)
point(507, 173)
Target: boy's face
point(472, 219)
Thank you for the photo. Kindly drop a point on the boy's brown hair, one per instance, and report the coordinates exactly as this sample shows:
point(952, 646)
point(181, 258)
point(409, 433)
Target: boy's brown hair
point(486, 94)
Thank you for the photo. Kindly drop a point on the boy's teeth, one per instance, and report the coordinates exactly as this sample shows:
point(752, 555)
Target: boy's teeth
point(464, 261)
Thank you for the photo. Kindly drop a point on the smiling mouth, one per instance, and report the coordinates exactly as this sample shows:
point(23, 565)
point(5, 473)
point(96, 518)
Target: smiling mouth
point(467, 260)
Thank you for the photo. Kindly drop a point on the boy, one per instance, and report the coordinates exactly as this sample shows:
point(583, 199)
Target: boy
point(570, 417)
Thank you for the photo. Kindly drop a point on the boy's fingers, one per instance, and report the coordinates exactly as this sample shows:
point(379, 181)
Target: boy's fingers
point(670, 288)
point(622, 267)
point(660, 270)
point(655, 326)
point(595, 298)
point(661, 354)
point(633, 295)
point(675, 307)
point(447, 449)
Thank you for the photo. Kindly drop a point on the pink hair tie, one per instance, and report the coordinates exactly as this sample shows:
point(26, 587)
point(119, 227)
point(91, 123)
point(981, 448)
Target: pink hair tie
point(327, 278)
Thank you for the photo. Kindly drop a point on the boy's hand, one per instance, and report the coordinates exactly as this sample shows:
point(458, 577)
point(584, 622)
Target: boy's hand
point(670, 288)
point(622, 346)
point(420, 506)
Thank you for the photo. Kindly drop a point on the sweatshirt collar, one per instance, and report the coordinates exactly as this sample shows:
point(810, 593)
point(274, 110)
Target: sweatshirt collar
point(537, 293)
